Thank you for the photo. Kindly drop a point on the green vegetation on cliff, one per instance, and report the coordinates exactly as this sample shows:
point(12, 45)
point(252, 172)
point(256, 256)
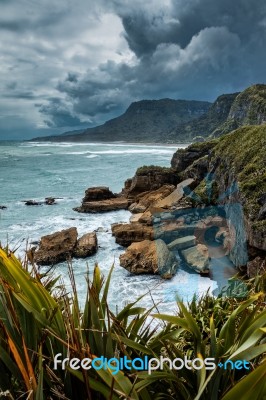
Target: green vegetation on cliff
point(230, 172)
point(248, 108)
point(243, 154)
point(203, 127)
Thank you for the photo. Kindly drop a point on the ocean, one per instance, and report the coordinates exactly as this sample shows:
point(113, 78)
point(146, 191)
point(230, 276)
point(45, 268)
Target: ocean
point(35, 170)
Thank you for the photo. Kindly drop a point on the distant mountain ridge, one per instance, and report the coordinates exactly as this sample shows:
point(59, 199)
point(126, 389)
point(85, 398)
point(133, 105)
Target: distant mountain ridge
point(177, 121)
point(143, 121)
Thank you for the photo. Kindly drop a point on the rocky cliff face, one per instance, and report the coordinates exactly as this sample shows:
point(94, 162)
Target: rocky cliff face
point(248, 108)
point(202, 127)
point(235, 182)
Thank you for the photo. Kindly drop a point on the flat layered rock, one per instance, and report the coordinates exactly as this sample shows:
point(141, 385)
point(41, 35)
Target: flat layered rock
point(197, 258)
point(173, 198)
point(182, 243)
point(125, 234)
point(101, 199)
point(116, 203)
point(149, 257)
point(144, 200)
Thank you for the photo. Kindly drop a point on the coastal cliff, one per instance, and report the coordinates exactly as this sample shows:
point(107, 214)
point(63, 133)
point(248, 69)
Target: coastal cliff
point(210, 204)
point(231, 172)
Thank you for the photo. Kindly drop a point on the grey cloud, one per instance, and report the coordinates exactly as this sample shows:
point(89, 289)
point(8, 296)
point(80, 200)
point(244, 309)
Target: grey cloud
point(188, 49)
point(58, 114)
point(184, 19)
point(84, 62)
point(27, 95)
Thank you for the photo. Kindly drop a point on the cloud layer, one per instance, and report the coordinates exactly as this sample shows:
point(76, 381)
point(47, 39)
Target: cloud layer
point(67, 65)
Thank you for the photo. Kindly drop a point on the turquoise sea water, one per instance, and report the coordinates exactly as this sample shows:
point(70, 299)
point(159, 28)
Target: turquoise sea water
point(32, 170)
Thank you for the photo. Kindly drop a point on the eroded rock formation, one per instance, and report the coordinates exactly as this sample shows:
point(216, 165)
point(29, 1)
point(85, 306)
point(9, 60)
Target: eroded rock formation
point(62, 246)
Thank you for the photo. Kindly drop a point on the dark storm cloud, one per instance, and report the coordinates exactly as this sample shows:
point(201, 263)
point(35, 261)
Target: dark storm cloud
point(188, 49)
point(58, 114)
point(178, 23)
point(85, 61)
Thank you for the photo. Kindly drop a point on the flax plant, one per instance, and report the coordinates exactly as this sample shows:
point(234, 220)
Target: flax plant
point(38, 321)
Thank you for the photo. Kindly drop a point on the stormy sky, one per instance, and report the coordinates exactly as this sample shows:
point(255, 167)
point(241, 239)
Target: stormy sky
point(68, 64)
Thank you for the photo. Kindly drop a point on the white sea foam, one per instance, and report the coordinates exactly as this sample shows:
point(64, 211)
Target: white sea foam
point(59, 177)
point(135, 151)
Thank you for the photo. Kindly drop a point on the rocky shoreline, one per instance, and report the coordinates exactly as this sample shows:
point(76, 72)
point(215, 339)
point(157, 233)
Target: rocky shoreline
point(199, 210)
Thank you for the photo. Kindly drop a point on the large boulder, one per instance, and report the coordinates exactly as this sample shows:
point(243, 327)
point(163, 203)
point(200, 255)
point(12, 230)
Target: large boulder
point(62, 246)
point(101, 199)
point(197, 258)
point(149, 178)
point(149, 257)
point(98, 193)
point(86, 246)
point(125, 234)
point(56, 247)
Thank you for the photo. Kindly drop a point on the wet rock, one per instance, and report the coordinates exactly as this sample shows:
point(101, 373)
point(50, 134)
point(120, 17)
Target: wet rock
point(86, 246)
point(182, 243)
point(49, 201)
point(197, 258)
point(149, 257)
point(56, 247)
point(32, 203)
point(125, 234)
point(101, 229)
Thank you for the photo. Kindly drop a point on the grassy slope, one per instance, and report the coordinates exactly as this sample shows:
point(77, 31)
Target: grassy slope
point(243, 152)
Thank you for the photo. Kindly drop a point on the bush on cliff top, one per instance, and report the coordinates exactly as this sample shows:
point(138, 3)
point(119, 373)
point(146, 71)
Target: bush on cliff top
point(153, 169)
